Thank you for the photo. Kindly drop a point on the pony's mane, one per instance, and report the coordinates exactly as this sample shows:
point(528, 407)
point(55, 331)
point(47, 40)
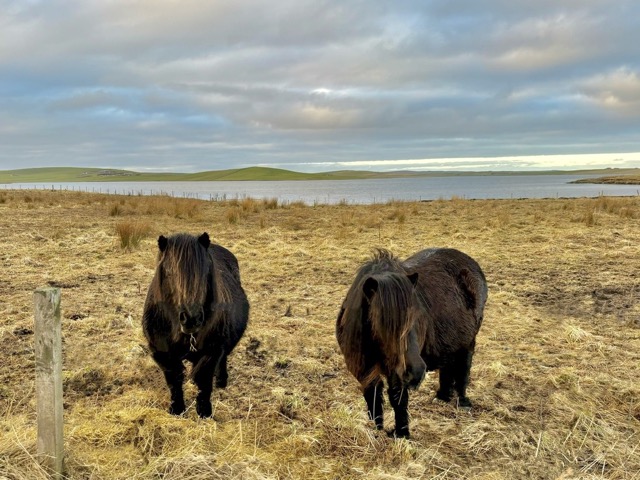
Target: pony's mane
point(188, 261)
point(388, 320)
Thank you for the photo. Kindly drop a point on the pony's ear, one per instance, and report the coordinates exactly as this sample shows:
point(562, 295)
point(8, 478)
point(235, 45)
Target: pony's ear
point(370, 287)
point(204, 240)
point(162, 243)
point(413, 278)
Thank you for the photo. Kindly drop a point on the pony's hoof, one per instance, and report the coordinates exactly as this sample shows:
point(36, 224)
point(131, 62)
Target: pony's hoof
point(403, 433)
point(177, 409)
point(205, 413)
point(221, 382)
point(464, 404)
point(204, 410)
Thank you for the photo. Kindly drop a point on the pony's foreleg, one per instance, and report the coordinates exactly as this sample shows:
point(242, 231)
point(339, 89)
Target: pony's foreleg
point(173, 370)
point(399, 399)
point(203, 373)
point(373, 397)
point(221, 372)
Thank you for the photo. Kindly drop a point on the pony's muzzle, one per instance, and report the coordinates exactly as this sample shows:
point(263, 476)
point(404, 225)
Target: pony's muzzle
point(189, 323)
point(414, 375)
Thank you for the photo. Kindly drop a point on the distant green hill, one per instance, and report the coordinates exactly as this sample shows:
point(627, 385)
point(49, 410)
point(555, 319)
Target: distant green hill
point(76, 174)
point(250, 173)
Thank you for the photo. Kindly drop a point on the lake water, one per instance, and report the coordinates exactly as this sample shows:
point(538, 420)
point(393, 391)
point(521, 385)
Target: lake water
point(360, 191)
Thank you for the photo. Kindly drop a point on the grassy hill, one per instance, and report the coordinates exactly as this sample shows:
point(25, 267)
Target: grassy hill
point(80, 174)
point(250, 173)
point(75, 174)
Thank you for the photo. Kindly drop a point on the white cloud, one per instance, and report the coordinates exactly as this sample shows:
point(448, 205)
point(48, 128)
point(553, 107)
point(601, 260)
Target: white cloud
point(618, 90)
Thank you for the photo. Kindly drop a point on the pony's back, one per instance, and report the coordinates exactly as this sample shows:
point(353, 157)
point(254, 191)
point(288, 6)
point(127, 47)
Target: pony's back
point(231, 303)
point(225, 259)
point(453, 291)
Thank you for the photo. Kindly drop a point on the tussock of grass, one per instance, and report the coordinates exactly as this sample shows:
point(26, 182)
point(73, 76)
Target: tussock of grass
point(593, 209)
point(115, 210)
point(399, 214)
point(372, 220)
point(233, 214)
point(180, 208)
point(553, 382)
point(296, 204)
point(131, 233)
point(270, 203)
point(346, 218)
point(250, 205)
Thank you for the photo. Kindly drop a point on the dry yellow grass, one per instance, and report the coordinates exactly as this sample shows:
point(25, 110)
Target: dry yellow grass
point(555, 376)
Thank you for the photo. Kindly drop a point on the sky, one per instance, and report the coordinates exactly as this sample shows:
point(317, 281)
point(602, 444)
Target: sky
point(317, 85)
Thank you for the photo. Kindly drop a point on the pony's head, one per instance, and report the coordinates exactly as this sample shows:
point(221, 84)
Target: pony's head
point(390, 298)
point(185, 276)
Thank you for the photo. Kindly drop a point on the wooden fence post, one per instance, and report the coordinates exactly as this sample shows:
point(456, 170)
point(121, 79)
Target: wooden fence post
point(49, 379)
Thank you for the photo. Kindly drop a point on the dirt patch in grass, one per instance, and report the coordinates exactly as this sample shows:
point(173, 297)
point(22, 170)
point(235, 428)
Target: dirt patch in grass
point(555, 376)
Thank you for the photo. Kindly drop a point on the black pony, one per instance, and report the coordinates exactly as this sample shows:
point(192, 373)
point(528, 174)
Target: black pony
point(196, 310)
point(400, 319)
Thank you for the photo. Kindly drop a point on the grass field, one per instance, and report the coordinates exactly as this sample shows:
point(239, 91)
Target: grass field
point(555, 377)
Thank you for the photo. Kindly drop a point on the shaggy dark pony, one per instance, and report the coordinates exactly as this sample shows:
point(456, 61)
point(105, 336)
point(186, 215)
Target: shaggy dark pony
point(196, 310)
point(400, 319)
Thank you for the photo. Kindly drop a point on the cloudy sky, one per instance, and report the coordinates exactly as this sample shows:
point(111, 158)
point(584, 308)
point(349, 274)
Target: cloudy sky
point(315, 85)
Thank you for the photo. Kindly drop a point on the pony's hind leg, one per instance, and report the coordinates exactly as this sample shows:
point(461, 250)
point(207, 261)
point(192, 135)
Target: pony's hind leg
point(373, 397)
point(462, 369)
point(173, 370)
point(446, 377)
point(399, 399)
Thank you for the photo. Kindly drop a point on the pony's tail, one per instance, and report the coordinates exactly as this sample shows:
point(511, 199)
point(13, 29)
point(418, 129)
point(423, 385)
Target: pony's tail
point(469, 284)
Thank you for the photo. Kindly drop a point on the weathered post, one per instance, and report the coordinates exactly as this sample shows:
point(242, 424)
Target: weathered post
point(49, 379)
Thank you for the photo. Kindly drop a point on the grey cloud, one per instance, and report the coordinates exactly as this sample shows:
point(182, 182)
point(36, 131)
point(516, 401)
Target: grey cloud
point(217, 84)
